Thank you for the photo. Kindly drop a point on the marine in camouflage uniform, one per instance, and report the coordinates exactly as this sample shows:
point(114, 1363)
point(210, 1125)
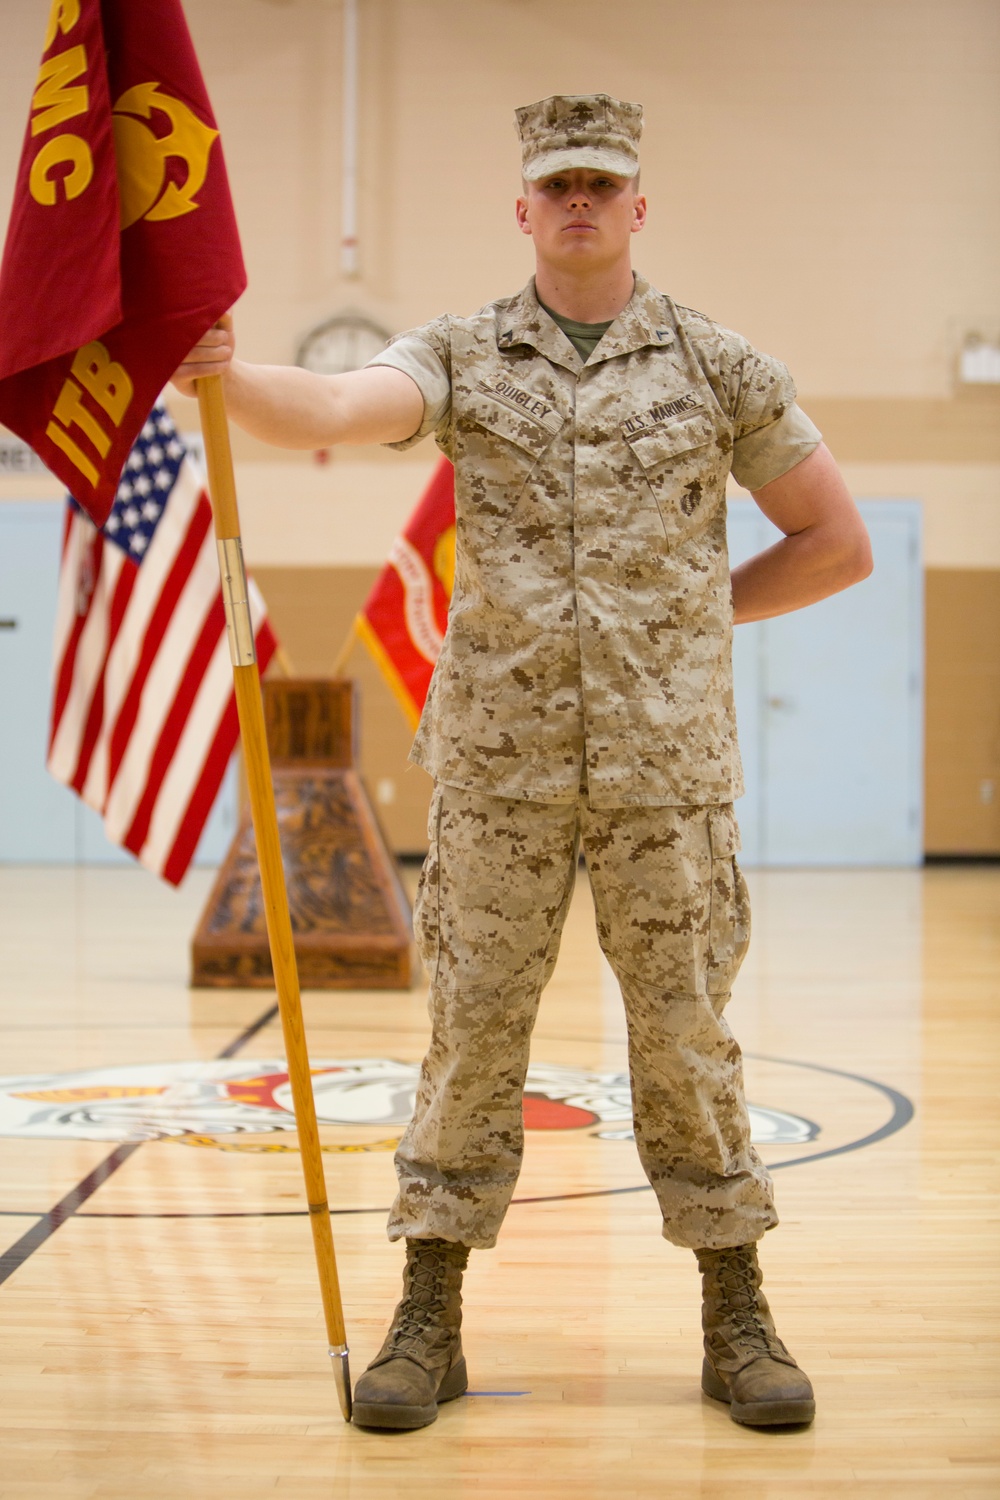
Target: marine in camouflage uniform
point(584, 698)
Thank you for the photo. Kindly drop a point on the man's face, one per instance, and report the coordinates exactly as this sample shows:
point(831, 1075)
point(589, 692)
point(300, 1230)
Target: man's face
point(581, 218)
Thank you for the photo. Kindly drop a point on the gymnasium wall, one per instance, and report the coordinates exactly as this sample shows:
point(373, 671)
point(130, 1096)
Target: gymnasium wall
point(822, 177)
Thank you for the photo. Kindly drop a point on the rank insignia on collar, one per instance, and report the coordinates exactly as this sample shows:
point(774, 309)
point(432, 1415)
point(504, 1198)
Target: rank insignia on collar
point(663, 333)
point(506, 336)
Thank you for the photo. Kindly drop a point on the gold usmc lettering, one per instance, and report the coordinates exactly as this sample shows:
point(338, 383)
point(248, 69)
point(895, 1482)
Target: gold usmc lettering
point(62, 17)
point(143, 155)
point(53, 101)
point(59, 97)
point(62, 151)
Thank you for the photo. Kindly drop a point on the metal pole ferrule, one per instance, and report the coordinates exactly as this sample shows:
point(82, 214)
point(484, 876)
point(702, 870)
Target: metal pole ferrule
point(239, 625)
point(342, 1370)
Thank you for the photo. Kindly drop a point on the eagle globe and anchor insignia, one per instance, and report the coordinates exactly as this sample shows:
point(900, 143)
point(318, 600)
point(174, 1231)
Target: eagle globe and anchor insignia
point(215, 1103)
point(144, 190)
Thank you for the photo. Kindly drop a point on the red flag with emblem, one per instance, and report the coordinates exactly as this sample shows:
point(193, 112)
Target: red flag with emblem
point(122, 247)
point(406, 614)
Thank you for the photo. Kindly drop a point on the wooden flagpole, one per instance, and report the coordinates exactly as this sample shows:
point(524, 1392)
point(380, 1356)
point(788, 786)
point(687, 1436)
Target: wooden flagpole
point(222, 489)
point(341, 659)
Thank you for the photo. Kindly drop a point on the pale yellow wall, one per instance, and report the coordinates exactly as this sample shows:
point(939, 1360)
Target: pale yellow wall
point(822, 176)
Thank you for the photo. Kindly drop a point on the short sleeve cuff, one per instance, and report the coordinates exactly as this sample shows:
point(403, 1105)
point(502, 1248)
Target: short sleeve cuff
point(768, 452)
point(417, 359)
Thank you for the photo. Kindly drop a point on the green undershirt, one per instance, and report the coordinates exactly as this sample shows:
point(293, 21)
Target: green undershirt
point(584, 337)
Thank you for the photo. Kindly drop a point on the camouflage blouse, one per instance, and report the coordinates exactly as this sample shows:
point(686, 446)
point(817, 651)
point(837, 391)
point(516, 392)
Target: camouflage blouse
point(591, 617)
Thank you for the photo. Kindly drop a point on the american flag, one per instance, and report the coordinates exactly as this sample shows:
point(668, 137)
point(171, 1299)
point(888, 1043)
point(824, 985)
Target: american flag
point(143, 712)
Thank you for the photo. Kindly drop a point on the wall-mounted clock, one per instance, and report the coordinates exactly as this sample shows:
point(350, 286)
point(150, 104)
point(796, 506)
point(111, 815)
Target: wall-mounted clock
point(344, 342)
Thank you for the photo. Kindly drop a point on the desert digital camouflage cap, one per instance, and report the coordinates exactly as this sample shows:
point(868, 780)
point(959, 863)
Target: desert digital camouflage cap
point(579, 130)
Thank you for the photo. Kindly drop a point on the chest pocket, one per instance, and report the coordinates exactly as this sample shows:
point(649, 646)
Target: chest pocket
point(681, 464)
point(501, 446)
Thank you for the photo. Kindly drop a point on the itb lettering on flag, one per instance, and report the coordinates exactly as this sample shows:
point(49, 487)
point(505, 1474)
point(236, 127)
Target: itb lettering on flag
point(122, 247)
point(143, 712)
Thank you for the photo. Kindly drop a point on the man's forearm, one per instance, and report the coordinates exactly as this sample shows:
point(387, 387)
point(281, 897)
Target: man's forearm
point(825, 547)
point(293, 408)
point(796, 571)
point(283, 405)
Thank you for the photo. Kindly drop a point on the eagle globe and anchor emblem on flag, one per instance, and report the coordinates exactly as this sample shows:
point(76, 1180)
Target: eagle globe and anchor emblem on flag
point(144, 188)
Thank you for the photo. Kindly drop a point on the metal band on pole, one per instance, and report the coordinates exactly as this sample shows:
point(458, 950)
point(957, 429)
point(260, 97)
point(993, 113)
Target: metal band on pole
point(239, 626)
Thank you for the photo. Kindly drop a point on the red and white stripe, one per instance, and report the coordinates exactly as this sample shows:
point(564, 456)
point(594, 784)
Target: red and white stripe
point(143, 713)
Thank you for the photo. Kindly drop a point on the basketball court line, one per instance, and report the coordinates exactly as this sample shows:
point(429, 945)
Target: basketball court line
point(77, 1196)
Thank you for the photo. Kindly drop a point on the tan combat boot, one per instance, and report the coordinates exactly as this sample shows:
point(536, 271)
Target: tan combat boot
point(421, 1362)
point(746, 1364)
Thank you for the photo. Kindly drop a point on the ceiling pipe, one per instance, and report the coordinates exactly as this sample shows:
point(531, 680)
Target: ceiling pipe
point(349, 262)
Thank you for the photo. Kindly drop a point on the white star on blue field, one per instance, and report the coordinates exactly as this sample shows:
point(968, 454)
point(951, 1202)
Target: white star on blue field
point(149, 475)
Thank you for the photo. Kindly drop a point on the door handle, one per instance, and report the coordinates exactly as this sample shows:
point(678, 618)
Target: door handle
point(8, 624)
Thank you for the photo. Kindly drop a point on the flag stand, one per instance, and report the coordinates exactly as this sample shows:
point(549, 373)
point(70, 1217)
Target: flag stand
point(222, 488)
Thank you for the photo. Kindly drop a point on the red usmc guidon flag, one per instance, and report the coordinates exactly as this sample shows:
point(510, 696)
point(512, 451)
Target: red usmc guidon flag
point(404, 618)
point(122, 247)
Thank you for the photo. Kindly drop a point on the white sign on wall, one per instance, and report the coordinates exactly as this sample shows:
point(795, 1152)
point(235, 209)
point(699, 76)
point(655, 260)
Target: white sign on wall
point(17, 458)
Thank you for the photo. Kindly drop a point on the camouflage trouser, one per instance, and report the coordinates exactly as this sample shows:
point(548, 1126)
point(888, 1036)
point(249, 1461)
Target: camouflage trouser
point(673, 919)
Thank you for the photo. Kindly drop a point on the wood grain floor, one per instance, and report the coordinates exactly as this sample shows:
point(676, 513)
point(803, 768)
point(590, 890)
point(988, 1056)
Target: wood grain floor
point(165, 1339)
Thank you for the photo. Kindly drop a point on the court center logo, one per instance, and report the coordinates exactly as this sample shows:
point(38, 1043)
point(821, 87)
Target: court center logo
point(211, 1103)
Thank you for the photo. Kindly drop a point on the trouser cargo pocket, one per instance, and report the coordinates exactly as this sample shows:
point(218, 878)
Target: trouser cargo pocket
point(729, 915)
point(427, 903)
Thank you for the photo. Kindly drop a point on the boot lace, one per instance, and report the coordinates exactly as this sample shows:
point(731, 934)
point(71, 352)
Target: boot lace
point(417, 1327)
point(737, 1274)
